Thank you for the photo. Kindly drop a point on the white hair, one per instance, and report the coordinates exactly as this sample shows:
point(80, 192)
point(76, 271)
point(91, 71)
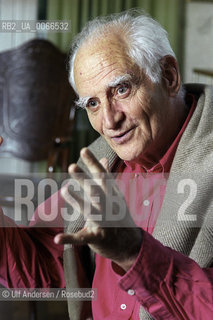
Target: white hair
point(146, 40)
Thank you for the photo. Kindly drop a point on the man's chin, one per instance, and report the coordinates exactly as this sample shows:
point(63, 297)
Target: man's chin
point(125, 152)
point(127, 155)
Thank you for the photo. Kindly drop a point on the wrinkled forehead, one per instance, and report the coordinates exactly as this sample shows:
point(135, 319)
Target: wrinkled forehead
point(97, 59)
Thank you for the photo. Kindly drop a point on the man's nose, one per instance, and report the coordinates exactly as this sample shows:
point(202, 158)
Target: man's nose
point(112, 115)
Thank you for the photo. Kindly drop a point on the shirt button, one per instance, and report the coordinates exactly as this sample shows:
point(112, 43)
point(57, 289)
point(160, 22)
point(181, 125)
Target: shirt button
point(131, 292)
point(123, 306)
point(136, 175)
point(146, 202)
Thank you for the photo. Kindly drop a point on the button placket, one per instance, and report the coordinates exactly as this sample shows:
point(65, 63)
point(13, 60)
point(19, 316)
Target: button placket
point(124, 305)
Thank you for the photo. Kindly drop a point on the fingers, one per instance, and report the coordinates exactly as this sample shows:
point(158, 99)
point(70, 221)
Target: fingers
point(90, 195)
point(79, 175)
point(91, 162)
point(86, 204)
point(63, 238)
point(97, 169)
point(1, 140)
point(81, 237)
point(72, 198)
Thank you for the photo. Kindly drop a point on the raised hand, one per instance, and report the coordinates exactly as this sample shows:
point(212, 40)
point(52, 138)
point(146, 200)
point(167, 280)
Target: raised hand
point(106, 233)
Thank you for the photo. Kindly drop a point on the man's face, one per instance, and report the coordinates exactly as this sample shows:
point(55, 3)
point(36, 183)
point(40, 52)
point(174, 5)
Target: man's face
point(123, 105)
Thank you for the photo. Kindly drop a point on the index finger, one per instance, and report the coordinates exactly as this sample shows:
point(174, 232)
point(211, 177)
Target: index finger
point(91, 162)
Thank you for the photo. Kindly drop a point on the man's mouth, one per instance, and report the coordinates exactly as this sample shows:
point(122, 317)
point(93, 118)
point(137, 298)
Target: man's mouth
point(123, 137)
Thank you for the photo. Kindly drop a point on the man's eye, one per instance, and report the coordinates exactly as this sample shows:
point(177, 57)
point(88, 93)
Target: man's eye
point(92, 104)
point(123, 89)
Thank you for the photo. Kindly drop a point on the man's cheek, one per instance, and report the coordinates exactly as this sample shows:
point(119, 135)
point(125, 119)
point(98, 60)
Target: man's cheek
point(95, 123)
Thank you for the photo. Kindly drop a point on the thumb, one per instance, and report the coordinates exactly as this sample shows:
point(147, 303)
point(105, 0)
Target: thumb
point(81, 237)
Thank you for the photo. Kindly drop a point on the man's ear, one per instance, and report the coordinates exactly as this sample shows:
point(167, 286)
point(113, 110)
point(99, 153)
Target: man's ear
point(170, 74)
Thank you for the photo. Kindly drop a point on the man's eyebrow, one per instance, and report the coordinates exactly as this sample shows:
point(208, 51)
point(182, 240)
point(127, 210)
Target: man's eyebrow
point(119, 79)
point(82, 102)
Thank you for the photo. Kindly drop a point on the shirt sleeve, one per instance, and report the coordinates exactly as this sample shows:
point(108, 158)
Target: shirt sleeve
point(29, 257)
point(168, 284)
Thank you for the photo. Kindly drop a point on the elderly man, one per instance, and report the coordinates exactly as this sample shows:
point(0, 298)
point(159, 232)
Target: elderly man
point(126, 76)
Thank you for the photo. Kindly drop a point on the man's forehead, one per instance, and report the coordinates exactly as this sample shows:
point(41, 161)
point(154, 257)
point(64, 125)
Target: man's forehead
point(103, 51)
point(98, 68)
